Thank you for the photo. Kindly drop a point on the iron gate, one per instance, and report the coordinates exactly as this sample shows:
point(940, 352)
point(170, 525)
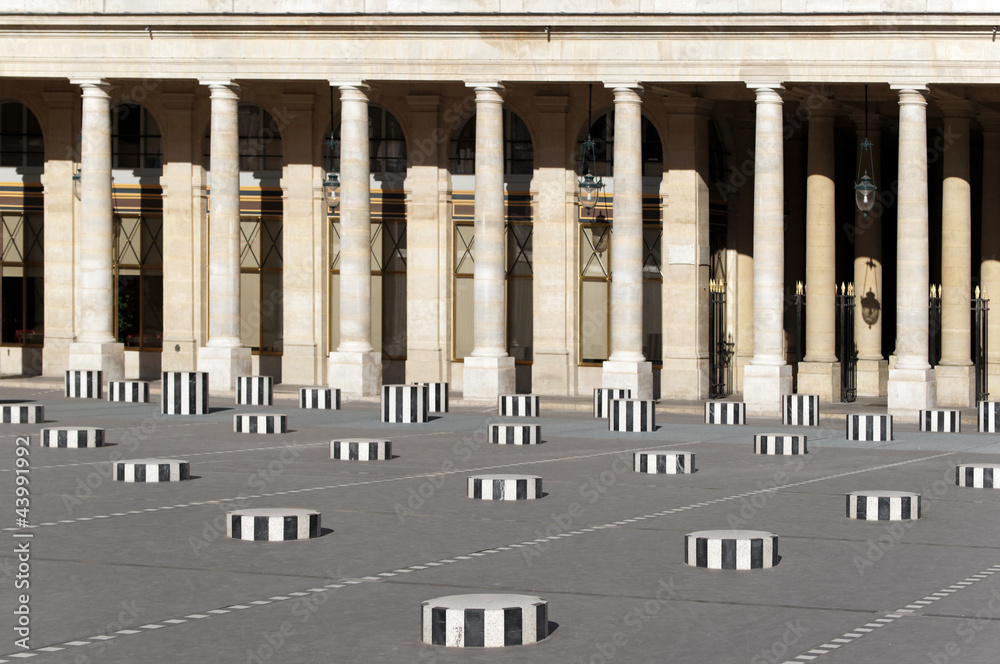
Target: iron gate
point(934, 326)
point(720, 374)
point(847, 352)
point(980, 347)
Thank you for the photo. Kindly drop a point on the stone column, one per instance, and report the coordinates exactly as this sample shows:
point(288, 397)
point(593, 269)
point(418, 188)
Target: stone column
point(912, 385)
point(990, 266)
point(355, 367)
point(627, 367)
point(489, 371)
point(956, 377)
point(768, 376)
point(223, 355)
point(686, 259)
point(819, 373)
point(96, 347)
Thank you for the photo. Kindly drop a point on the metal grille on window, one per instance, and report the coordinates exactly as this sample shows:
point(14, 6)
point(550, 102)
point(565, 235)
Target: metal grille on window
point(21, 279)
point(261, 266)
point(595, 284)
point(139, 280)
point(519, 291)
point(464, 262)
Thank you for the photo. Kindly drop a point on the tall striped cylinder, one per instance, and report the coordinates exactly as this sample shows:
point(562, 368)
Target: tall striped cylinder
point(361, 450)
point(184, 393)
point(152, 470)
point(989, 416)
point(404, 404)
point(800, 410)
point(326, 398)
point(603, 397)
point(883, 505)
point(941, 421)
point(632, 415)
point(505, 487)
point(437, 397)
point(83, 384)
point(128, 391)
point(259, 423)
point(725, 412)
point(274, 524)
point(515, 434)
point(779, 443)
point(30, 414)
point(73, 437)
point(663, 463)
point(869, 428)
point(254, 390)
point(731, 549)
point(517, 405)
point(978, 475)
point(484, 620)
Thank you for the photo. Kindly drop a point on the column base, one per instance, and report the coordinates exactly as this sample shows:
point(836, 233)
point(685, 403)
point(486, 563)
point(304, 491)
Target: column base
point(108, 358)
point(635, 376)
point(356, 373)
point(956, 385)
point(685, 378)
point(550, 373)
point(425, 365)
point(873, 378)
point(223, 366)
point(486, 378)
point(763, 386)
point(910, 391)
point(819, 378)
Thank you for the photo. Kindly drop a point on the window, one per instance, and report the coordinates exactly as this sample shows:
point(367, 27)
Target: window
point(519, 278)
point(20, 136)
point(21, 279)
point(519, 155)
point(261, 265)
point(602, 132)
point(135, 138)
point(139, 281)
point(595, 292)
point(260, 146)
point(386, 143)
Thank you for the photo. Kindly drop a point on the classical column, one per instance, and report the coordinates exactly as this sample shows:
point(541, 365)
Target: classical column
point(956, 377)
point(96, 347)
point(489, 371)
point(355, 367)
point(819, 373)
point(990, 265)
point(223, 355)
point(912, 386)
point(627, 367)
point(768, 376)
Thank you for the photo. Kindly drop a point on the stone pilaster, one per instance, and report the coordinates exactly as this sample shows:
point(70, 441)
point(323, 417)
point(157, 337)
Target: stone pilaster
point(990, 247)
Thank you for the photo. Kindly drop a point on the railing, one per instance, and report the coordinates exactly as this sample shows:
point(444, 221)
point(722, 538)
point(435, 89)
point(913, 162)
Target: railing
point(720, 374)
point(847, 352)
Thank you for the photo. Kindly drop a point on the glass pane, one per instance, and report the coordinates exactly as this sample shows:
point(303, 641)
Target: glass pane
point(12, 118)
point(129, 241)
point(271, 329)
point(152, 240)
point(334, 311)
point(519, 318)
point(11, 238)
point(128, 308)
point(651, 252)
point(652, 316)
point(34, 311)
point(376, 311)
point(519, 249)
point(595, 254)
point(394, 246)
point(250, 243)
point(464, 245)
point(12, 306)
point(334, 245)
point(11, 150)
point(376, 247)
point(152, 309)
point(270, 243)
point(593, 321)
point(33, 236)
point(463, 317)
point(250, 314)
point(394, 316)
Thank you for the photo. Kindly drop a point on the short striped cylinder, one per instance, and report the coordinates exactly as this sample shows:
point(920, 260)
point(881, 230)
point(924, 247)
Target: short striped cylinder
point(632, 415)
point(989, 416)
point(978, 475)
point(326, 398)
point(128, 391)
point(184, 393)
point(800, 410)
point(361, 450)
point(83, 384)
point(517, 405)
point(254, 390)
point(72, 437)
point(779, 443)
point(152, 470)
point(663, 463)
point(725, 412)
point(883, 505)
point(484, 620)
point(515, 434)
point(404, 404)
point(603, 397)
point(941, 421)
point(272, 524)
point(505, 487)
point(259, 423)
point(869, 427)
point(22, 414)
point(731, 549)
point(437, 397)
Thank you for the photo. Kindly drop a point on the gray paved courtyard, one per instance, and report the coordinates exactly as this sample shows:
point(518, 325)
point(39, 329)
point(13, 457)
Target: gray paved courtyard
point(145, 573)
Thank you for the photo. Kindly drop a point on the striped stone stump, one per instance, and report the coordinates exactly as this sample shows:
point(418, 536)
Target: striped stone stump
point(128, 391)
point(603, 397)
point(731, 549)
point(404, 404)
point(978, 475)
point(361, 450)
point(517, 405)
point(941, 421)
point(272, 524)
point(655, 462)
point(515, 434)
point(184, 393)
point(326, 398)
point(632, 415)
point(989, 416)
point(22, 414)
point(437, 397)
point(800, 410)
point(869, 428)
point(83, 384)
point(484, 620)
point(779, 443)
point(725, 412)
point(505, 487)
point(152, 470)
point(883, 505)
point(75, 437)
point(254, 390)
point(259, 423)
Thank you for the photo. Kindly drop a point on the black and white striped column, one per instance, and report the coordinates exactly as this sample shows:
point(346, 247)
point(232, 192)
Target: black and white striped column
point(484, 620)
point(725, 412)
point(989, 416)
point(128, 391)
point(883, 505)
point(272, 524)
point(978, 475)
point(801, 410)
point(259, 423)
point(404, 404)
point(869, 428)
point(152, 470)
point(83, 384)
point(603, 397)
point(184, 393)
point(254, 390)
point(515, 434)
point(361, 450)
point(505, 487)
point(517, 405)
point(632, 415)
point(731, 549)
point(22, 414)
point(663, 463)
point(941, 421)
point(437, 397)
point(325, 398)
point(779, 443)
point(72, 437)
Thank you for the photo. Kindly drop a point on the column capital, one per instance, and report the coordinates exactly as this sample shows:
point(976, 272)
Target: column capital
point(359, 85)
point(423, 103)
point(767, 93)
point(93, 86)
point(495, 86)
point(914, 95)
point(220, 84)
point(909, 87)
point(777, 86)
point(634, 86)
